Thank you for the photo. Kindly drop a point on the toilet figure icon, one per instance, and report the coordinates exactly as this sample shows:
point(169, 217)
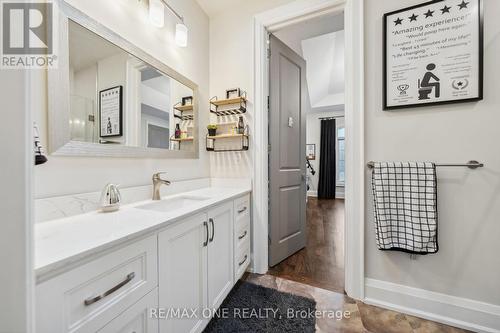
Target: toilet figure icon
point(428, 84)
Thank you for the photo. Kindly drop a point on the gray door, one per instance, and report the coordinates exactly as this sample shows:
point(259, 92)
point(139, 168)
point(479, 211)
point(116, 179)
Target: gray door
point(287, 157)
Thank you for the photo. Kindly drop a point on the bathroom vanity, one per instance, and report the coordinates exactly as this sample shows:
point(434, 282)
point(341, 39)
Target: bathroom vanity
point(145, 268)
point(152, 263)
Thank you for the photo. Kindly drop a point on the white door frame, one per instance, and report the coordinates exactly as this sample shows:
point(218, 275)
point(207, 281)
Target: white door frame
point(270, 21)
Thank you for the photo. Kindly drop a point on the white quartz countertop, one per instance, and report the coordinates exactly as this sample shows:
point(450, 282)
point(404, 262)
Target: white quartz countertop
point(64, 241)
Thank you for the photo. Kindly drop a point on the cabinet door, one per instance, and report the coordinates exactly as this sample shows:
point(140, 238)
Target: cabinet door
point(220, 253)
point(183, 274)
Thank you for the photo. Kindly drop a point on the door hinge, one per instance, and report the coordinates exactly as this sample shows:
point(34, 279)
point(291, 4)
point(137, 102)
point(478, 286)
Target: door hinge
point(269, 53)
point(268, 148)
point(268, 104)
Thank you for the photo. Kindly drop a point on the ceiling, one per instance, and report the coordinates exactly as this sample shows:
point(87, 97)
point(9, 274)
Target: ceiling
point(320, 41)
point(87, 48)
point(325, 69)
point(213, 7)
point(294, 35)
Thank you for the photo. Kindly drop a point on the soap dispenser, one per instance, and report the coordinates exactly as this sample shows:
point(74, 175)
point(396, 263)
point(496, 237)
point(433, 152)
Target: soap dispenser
point(110, 198)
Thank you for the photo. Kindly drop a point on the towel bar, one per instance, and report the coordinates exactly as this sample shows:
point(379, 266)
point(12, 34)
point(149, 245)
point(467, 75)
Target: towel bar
point(471, 165)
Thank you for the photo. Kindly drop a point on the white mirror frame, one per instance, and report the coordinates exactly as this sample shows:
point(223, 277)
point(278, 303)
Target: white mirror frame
point(59, 137)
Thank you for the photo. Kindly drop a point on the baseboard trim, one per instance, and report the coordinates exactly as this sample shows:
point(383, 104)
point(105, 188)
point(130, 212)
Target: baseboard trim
point(314, 194)
point(450, 310)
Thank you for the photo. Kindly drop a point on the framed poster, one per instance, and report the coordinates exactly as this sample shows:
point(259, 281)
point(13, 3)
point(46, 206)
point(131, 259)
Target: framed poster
point(111, 112)
point(433, 54)
point(311, 151)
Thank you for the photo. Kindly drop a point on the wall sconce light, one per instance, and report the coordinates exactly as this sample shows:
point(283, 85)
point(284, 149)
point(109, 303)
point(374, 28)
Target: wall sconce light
point(181, 35)
point(157, 18)
point(156, 13)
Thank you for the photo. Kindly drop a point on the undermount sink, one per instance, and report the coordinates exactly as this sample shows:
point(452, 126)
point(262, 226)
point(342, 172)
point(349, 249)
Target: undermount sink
point(169, 205)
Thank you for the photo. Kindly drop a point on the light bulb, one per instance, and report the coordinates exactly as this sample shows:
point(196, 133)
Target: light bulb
point(181, 35)
point(156, 13)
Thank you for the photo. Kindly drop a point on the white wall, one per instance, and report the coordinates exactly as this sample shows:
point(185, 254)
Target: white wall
point(16, 251)
point(313, 135)
point(231, 65)
point(63, 175)
point(467, 264)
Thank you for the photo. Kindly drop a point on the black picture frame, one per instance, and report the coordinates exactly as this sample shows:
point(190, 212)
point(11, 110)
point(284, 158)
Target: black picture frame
point(480, 97)
point(234, 91)
point(120, 113)
point(188, 100)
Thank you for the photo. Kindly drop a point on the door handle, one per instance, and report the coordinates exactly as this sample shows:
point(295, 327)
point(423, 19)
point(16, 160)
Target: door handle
point(205, 224)
point(244, 259)
point(213, 230)
point(95, 299)
point(243, 236)
point(242, 210)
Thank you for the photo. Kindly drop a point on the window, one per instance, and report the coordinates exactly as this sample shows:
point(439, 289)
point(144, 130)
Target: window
point(340, 156)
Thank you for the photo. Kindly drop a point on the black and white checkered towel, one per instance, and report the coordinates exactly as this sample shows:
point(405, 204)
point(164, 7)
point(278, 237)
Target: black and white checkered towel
point(405, 196)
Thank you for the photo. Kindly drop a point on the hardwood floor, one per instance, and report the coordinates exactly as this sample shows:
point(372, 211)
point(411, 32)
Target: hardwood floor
point(321, 262)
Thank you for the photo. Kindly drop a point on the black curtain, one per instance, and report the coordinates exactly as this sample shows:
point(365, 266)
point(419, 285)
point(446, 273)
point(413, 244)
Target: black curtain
point(327, 162)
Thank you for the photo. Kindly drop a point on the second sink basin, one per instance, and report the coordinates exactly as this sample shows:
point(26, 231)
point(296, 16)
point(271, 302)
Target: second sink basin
point(169, 205)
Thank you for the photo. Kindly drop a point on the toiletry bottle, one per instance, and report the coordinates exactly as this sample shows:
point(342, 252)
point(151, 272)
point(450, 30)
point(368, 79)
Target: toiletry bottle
point(177, 131)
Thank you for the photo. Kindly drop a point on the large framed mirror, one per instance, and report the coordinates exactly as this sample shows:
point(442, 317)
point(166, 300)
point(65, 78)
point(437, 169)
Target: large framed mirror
point(107, 97)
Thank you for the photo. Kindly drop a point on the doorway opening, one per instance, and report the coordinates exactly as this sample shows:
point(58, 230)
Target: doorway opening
point(316, 257)
point(268, 22)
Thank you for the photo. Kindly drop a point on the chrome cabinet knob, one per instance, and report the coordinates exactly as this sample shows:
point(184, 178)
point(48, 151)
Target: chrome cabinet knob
point(110, 198)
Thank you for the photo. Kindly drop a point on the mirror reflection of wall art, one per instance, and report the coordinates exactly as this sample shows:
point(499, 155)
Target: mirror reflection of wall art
point(433, 54)
point(111, 112)
point(311, 152)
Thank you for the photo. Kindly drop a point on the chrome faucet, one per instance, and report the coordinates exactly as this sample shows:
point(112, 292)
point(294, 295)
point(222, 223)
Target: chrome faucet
point(157, 183)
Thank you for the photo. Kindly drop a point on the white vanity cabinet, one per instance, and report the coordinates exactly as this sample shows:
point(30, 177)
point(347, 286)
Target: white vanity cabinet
point(182, 254)
point(189, 265)
point(241, 236)
point(89, 296)
point(195, 267)
point(220, 254)
point(137, 318)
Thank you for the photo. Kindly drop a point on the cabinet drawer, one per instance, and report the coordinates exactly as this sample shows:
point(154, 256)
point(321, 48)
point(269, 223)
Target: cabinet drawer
point(242, 232)
point(89, 296)
point(136, 318)
point(241, 207)
point(242, 260)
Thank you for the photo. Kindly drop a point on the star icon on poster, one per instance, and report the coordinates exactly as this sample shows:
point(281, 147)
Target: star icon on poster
point(413, 18)
point(463, 5)
point(429, 13)
point(398, 21)
point(445, 9)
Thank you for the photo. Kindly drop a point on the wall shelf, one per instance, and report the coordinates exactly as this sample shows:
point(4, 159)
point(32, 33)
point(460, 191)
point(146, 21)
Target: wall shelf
point(210, 141)
point(236, 105)
point(229, 101)
point(180, 141)
point(183, 108)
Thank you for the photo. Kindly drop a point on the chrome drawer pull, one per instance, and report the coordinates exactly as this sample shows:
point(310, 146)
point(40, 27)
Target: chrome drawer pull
point(92, 300)
point(205, 224)
point(242, 210)
point(243, 236)
point(241, 263)
point(213, 230)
